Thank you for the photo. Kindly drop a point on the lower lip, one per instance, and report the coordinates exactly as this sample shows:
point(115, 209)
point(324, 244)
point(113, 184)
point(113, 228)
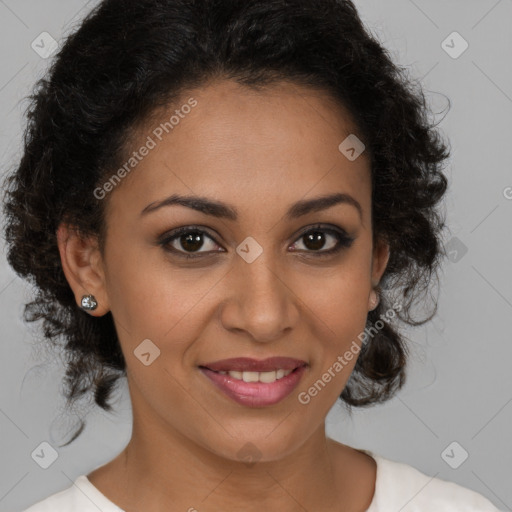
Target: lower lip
point(255, 394)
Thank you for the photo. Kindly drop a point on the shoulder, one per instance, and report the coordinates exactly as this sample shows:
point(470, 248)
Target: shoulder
point(81, 496)
point(400, 486)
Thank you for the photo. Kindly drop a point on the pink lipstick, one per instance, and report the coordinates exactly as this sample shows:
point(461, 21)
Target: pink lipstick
point(255, 383)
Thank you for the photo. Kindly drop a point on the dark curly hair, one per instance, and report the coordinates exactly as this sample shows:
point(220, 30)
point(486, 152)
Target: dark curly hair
point(130, 58)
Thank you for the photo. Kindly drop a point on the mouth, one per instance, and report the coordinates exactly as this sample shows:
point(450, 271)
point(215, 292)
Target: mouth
point(255, 383)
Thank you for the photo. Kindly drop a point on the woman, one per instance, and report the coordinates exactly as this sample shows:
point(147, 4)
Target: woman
point(211, 197)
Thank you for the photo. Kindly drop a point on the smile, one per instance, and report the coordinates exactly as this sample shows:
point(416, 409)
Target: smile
point(267, 377)
point(239, 380)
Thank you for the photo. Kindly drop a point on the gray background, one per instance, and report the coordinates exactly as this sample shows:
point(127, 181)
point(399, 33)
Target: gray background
point(460, 383)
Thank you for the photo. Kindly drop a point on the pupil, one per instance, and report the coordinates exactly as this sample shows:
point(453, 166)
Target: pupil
point(315, 240)
point(191, 241)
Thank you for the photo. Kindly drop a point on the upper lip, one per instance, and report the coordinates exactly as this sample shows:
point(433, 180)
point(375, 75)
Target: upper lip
point(247, 364)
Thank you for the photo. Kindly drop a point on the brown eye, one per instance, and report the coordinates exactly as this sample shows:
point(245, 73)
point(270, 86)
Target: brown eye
point(315, 241)
point(189, 240)
point(318, 241)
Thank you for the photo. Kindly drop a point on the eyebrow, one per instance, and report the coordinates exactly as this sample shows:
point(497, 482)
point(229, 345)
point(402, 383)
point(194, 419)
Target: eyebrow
point(225, 211)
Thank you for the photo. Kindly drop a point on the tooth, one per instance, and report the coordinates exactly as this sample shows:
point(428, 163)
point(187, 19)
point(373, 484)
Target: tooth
point(250, 376)
point(267, 377)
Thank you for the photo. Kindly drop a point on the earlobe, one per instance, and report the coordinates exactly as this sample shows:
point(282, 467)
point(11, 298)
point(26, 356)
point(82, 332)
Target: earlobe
point(374, 300)
point(81, 264)
point(379, 263)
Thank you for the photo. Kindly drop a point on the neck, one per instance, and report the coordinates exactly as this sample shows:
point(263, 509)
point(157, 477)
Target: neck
point(161, 468)
point(169, 468)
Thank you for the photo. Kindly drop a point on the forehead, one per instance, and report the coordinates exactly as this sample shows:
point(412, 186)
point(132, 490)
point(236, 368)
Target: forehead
point(260, 147)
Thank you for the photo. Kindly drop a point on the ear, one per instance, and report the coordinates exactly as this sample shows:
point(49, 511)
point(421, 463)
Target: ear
point(380, 260)
point(83, 266)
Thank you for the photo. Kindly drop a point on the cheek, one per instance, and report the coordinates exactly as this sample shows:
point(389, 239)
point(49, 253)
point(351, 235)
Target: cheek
point(151, 299)
point(337, 305)
point(340, 297)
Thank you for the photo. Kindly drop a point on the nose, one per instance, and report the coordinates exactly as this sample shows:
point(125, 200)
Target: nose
point(260, 303)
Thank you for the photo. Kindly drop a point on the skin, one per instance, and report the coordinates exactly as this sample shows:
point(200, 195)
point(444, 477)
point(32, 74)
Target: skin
point(260, 152)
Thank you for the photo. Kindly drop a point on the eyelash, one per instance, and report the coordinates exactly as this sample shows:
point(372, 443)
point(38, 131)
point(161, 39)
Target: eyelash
point(344, 241)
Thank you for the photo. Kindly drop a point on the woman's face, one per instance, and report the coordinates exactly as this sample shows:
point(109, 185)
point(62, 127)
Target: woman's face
point(262, 282)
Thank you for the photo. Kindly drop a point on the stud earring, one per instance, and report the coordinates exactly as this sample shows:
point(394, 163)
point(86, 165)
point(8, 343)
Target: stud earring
point(89, 302)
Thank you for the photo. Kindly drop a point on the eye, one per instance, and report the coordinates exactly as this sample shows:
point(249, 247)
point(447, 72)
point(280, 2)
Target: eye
point(186, 240)
point(317, 237)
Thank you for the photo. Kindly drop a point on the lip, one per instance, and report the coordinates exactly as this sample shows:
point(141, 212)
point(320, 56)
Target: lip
point(255, 394)
point(247, 364)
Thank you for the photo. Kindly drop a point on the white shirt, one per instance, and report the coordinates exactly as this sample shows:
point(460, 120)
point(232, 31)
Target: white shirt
point(398, 487)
